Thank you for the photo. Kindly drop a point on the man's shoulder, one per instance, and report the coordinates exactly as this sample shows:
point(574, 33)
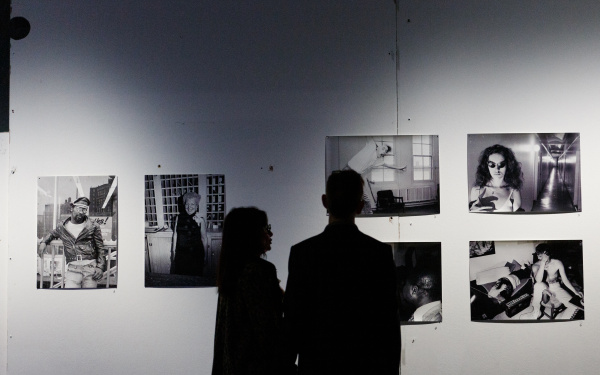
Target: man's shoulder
point(373, 241)
point(347, 233)
point(91, 224)
point(310, 241)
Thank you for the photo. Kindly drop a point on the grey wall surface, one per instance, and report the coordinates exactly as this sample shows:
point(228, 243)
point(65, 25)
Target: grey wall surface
point(131, 88)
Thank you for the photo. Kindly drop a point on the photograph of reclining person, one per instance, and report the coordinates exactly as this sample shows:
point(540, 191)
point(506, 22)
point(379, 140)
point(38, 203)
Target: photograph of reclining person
point(419, 281)
point(524, 173)
point(528, 280)
point(401, 172)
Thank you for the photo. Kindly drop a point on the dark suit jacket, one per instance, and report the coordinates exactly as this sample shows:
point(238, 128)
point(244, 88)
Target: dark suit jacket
point(340, 308)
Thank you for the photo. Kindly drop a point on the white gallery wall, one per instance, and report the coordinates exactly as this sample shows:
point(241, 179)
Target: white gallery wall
point(251, 90)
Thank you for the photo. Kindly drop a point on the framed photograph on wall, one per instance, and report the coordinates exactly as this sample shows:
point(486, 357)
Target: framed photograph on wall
point(528, 280)
point(419, 281)
point(401, 172)
point(524, 173)
point(77, 232)
point(184, 217)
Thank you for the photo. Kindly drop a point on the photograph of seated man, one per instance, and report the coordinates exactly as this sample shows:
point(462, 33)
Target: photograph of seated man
point(524, 173)
point(419, 281)
point(526, 280)
point(552, 286)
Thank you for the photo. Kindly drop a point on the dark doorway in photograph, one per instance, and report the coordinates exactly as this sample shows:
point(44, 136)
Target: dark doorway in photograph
point(401, 172)
point(524, 173)
point(184, 217)
point(77, 232)
point(528, 281)
point(419, 281)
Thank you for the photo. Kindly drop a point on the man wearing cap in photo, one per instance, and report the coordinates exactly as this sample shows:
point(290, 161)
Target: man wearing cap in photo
point(83, 246)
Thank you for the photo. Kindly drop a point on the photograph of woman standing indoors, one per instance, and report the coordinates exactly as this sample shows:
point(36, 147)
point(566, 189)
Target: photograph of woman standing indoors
point(184, 216)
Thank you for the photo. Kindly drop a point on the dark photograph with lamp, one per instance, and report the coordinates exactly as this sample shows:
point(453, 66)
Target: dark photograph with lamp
point(401, 172)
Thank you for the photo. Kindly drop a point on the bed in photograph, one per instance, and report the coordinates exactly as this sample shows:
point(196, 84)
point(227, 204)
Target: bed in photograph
point(508, 290)
point(488, 304)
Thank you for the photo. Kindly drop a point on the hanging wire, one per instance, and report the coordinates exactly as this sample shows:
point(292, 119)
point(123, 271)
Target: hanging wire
point(397, 58)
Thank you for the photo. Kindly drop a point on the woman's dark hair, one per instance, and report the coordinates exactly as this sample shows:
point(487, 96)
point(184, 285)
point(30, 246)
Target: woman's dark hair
point(243, 232)
point(513, 176)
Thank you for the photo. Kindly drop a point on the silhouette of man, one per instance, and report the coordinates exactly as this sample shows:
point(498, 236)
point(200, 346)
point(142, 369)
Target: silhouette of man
point(340, 307)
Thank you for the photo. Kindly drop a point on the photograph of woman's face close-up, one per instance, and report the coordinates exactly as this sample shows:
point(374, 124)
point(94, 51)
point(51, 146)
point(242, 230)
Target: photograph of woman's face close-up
point(524, 173)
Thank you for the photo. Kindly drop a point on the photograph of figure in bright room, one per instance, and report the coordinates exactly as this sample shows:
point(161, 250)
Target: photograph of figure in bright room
point(184, 216)
point(524, 173)
point(528, 280)
point(400, 171)
point(77, 232)
point(419, 281)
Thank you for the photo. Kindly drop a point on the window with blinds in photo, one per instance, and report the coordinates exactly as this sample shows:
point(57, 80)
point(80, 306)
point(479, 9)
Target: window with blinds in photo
point(422, 154)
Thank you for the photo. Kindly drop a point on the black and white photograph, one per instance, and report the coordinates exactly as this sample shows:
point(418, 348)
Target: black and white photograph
point(419, 281)
point(524, 173)
point(77, 232)
point(184, 216)
point(481, 248)
point(401, 172)
point(528, 281)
